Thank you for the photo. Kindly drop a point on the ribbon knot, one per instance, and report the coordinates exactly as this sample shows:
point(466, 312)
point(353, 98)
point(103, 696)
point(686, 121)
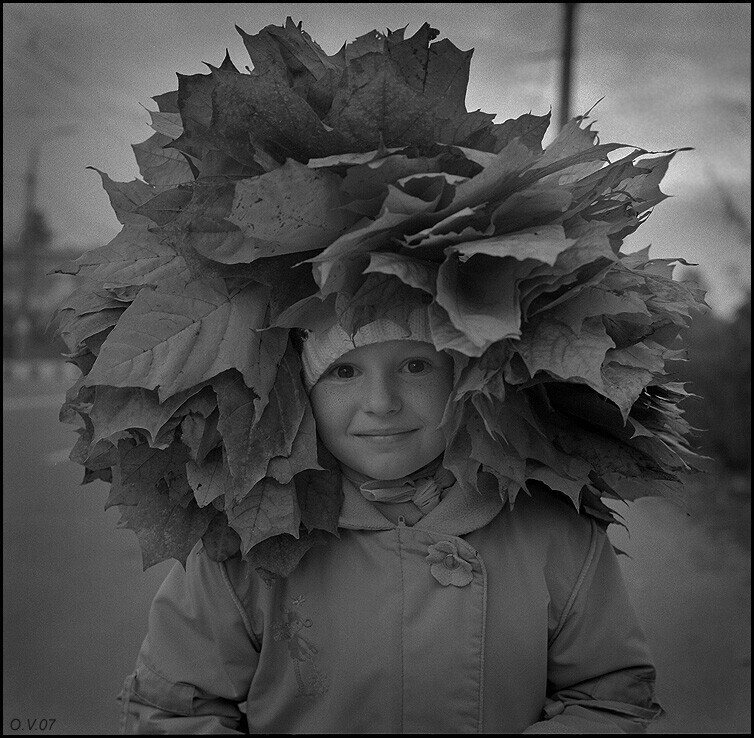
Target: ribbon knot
point(423, 491)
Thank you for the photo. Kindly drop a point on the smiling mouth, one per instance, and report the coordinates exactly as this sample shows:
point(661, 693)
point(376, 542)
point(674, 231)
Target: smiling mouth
point(386, 434)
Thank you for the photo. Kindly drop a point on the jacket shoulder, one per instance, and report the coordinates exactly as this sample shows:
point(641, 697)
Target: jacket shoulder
point(562, 542)
point(550, 515)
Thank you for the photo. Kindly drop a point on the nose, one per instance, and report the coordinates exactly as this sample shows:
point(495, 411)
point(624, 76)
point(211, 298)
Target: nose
point(381, 396)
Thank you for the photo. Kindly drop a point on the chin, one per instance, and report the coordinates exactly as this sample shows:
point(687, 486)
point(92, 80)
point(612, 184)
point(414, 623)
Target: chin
point(391, 469)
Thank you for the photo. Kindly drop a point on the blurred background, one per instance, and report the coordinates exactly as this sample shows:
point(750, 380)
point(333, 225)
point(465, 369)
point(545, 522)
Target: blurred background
point(78, 79)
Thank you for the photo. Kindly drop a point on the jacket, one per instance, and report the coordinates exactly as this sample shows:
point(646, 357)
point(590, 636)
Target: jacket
point(477, 619)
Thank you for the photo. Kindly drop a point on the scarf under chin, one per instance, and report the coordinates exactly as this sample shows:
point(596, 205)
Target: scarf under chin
point(423, 487)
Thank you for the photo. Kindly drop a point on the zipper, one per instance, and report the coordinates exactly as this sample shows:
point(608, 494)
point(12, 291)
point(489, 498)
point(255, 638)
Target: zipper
point(402, 521)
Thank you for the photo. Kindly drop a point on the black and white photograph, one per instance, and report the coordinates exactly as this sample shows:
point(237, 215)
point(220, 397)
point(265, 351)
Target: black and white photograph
point(376, 368)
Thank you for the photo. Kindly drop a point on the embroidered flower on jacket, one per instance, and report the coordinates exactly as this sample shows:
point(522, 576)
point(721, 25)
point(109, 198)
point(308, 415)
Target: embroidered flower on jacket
point(447, 565)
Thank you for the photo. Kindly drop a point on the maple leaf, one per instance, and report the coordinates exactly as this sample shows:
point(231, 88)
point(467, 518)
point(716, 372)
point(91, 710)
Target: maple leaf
point(141, 469)
point(373, 104)
point(254, 436)
point(303, 454)
point(552, 347)
point(531, 208)
point(87, 299)
point(220, 541)
point(135, 256)
point(291, 209)
point(597, 300)
point(572, 488)
point(467, 224)
point(117, 409)
point(320, 498)
point(529, 129)
point(541, 243)
point(167, 123)
point(90, 455)
point(311, 313)
point(125, 197)
point(78, 398)
point(446, 336)
point(582, 264)
point(279, 555)
point(160, 164)
point(499, 177)
point(283, 124)
point(367, 235)
point(415, 273)
point(172, 339)
point(480, 296)
point(458, 459)
point(193, 102)
point(370, 299)
point(199, 433)
point(571, 139)
point(493, 455)
point(76, 329)
point(268, 509)
point(288, 50)
point(644, 188)
point(369, 175)
point(212, 479)
point(165, 205)
point(165, 530)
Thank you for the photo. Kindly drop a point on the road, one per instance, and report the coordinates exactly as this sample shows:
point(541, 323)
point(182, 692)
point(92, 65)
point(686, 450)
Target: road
point(76, 600)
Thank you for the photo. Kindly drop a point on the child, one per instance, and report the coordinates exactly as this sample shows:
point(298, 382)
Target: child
point(437, 610)
point(366, 364)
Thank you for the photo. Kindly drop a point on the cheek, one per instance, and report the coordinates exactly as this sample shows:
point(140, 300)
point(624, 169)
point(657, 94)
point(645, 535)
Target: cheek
point(331, 411)
point(431, 399)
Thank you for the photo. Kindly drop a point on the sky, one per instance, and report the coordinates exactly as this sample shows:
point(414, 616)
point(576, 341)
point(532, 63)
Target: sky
point(78, 80)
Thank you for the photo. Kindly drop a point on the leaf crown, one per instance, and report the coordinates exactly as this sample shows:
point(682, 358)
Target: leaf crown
point(313, 189)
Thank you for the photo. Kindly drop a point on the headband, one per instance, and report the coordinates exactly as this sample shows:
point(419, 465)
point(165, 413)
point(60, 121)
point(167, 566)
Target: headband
point(323, 348)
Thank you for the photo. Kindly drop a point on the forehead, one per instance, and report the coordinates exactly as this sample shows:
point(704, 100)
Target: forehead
point(390, 351)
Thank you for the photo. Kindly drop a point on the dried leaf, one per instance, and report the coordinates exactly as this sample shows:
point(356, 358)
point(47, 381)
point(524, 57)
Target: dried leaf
point(220, 541)
point(268, 510)
point(212, 479)
point(415, 273)
point(480, 296)
point(161, 165)
point(125, 197)
point(117, 409)
point(165, 530)
point(289, 210)
point(280, 555)
point(141, 470)
point(552, 347)
point(173, 339)
point(253, 436)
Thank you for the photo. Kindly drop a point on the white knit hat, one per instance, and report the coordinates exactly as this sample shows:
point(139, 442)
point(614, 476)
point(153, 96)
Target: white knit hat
point(321, 350)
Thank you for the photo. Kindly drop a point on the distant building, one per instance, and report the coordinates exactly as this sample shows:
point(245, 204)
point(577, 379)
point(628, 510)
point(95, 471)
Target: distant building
point(30, 296)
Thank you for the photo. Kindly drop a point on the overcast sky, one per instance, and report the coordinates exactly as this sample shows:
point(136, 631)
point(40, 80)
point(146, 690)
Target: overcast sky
point(78, 78)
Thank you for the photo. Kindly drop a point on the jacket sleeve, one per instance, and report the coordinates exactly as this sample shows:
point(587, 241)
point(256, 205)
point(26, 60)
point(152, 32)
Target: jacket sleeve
point(600, 672)
point(197, 660)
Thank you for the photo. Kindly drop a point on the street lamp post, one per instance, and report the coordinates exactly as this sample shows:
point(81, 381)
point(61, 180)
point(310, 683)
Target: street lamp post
point(566, 70)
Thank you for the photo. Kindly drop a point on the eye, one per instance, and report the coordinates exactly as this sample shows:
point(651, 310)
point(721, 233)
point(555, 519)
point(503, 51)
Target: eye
point(417, 366)
point(343, 371)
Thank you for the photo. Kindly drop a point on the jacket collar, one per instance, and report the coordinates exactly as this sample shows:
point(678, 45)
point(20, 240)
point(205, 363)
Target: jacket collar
point(459, 511)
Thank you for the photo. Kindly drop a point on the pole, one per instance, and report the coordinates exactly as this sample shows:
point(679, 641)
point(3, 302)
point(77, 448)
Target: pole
point(566, 70)
point(29, 254)
point(29, 248)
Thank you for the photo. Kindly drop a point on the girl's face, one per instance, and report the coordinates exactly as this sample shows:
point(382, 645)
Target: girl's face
point(378, 408)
